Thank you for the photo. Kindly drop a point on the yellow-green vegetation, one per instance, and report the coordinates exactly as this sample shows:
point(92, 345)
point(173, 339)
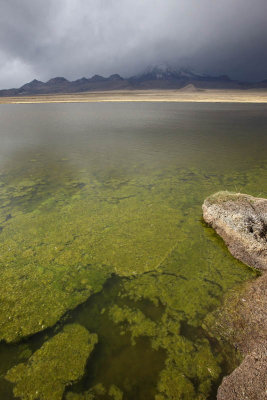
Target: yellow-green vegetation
point(140, 325)
point(115, 393)
point(60, 252)
point(59, 362)
point(98, 391)
point(81, 396)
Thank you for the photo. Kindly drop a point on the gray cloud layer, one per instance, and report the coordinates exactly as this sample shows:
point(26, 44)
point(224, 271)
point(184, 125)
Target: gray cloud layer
point(75, 38)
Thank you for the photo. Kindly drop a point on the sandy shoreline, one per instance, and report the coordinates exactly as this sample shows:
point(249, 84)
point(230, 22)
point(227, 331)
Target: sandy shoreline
point(202, 96)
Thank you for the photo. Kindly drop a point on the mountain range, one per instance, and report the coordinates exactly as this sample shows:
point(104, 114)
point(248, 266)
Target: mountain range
point(159, 77)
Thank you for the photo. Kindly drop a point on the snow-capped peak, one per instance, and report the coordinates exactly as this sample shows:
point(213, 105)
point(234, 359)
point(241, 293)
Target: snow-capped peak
point(165, 71)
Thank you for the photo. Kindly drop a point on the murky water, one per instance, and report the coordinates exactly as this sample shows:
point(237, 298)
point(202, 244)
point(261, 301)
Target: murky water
point(101, 228)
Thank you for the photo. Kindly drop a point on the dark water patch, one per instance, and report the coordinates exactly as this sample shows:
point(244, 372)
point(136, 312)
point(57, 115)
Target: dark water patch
point(231, 359)
point(148, 308)
point(6, 390)
point(191, 332)
point(133, 368)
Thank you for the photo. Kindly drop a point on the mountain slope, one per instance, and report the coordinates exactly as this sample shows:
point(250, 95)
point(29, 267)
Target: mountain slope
point(159, 77)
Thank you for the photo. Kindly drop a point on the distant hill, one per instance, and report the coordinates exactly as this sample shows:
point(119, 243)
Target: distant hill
point(159, 77)
point(190, 88)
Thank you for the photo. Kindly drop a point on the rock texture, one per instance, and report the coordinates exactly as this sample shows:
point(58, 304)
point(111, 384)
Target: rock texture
point(241, 220)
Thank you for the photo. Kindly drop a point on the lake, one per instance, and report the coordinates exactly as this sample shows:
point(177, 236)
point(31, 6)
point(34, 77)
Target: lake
point(108, 272)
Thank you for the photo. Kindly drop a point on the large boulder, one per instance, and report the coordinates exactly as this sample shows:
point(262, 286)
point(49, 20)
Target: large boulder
point(241, 220)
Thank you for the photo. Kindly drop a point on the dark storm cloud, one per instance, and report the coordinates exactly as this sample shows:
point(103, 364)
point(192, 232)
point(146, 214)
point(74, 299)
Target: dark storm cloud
point(74, 38)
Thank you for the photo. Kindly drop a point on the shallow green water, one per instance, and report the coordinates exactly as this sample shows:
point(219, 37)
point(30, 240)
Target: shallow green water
point(101, 226)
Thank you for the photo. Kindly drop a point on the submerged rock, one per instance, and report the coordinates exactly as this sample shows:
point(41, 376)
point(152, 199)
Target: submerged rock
point(241, 220)
point(58, 363)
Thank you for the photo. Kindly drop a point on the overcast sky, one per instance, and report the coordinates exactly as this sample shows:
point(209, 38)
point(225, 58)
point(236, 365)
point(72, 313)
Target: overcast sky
point(74, 38)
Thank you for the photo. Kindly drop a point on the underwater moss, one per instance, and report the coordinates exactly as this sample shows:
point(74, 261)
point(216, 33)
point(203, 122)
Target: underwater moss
point(80, 396)
point(174, 385)
point(54, 259)
point(59, 362)
point(114, 393)
point(139, 324)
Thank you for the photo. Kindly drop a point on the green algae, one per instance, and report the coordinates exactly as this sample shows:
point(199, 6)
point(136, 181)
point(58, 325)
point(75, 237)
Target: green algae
point(77, 396)
point(61, 258)
point(43, 294)
point(140, 325)
point(115, 393)
point(58, 363)
point(97, 392)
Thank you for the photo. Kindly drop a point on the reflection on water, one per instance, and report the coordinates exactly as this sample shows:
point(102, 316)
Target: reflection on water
point(100, 225)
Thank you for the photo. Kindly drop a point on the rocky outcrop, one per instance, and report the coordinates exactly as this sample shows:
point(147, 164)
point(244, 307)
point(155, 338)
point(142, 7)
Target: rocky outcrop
point(241, 220)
